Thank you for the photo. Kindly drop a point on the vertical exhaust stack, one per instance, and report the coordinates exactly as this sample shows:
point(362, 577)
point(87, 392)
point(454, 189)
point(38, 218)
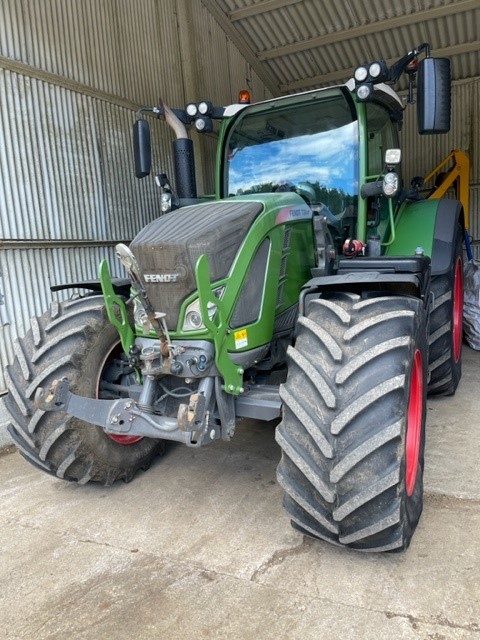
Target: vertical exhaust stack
point(184, 164)
point(184, 167)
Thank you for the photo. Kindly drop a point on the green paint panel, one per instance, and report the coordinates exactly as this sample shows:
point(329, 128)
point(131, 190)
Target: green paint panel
point(116, 309)
point(414, 227)
point(300, 257)
point(218, 328)
point(286, 222)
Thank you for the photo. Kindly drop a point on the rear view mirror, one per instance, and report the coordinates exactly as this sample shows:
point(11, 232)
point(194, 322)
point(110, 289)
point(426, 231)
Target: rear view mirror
point(433, 95)
point(142, 150)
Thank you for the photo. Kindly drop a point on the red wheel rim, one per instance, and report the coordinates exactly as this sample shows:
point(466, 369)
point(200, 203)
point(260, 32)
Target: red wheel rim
point(414, 423)
point(123, 439)
point(457, 310)
point(116, 437)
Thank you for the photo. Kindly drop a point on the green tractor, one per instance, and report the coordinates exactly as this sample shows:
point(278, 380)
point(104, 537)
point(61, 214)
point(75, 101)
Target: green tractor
point(313, 287)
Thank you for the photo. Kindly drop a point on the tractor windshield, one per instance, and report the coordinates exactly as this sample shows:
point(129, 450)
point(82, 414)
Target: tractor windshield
point(309, 146)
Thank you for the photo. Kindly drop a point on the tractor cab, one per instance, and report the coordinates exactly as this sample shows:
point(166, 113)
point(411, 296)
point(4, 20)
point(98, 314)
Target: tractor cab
point(323, 145)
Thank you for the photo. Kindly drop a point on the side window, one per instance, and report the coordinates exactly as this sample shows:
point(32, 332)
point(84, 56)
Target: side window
point(381, 136)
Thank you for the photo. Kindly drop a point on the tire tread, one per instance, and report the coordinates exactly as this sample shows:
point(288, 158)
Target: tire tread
point(58, 345)
point(341, 466)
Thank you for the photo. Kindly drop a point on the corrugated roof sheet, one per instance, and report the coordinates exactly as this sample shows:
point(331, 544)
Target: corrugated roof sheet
point(297, 45)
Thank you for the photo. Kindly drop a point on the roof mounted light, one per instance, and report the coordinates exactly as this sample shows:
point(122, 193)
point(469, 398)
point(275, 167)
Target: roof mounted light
point(203, 124)
point(204, 108)
point(191, 109)
point(244, 96)
point(367, 76)
point(378, 71)
point(361, 74)
point(364, 91)
point(375, 70)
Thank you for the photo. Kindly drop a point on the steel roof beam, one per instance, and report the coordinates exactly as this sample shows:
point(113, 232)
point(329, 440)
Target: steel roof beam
point(260, 7)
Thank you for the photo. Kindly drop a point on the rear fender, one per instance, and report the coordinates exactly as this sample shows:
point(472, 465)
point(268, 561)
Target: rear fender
point(383, 275)
point(450, 214)
point(430, 224)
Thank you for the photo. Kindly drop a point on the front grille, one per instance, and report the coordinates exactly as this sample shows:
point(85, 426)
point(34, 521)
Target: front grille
point(173, 243)
point(249, 301)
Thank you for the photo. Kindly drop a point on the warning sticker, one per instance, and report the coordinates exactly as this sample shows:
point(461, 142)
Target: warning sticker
point(241, 339)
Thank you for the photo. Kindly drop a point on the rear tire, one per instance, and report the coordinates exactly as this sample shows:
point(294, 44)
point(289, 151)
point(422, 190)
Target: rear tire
point(353, 428)
point(73, 340)
point(445, 343)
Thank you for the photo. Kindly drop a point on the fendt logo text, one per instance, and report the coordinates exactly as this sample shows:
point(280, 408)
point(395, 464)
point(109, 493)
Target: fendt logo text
point(161, 277)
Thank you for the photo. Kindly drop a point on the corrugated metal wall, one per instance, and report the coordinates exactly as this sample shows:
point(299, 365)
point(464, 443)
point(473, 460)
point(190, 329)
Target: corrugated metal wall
point(423, 153)
point(72, 75)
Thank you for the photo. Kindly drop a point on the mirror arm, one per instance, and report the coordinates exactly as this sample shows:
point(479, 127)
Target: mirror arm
point(159, 112)
point(399, 67)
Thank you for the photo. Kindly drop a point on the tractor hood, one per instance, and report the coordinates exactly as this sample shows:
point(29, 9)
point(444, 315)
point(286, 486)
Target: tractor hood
point(168, 248)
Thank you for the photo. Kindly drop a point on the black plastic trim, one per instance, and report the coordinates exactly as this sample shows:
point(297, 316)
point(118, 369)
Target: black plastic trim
point(384, 264)
point(449, 215)
point(394, 275)
point(121, 286)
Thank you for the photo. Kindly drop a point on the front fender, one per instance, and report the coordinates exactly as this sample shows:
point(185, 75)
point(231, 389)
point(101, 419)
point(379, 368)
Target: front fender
point(430, 224)
point(120, 285)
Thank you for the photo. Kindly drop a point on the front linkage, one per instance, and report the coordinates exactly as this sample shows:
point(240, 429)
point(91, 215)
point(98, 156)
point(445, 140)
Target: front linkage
point(210, 410)
point(125, 417)
point(134, 416)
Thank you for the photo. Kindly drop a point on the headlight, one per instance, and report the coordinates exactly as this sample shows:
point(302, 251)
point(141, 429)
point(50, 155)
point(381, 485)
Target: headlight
point(193, 320)
point(390, 184)
point(193, 317)
point(166, 202)
point(140, 315)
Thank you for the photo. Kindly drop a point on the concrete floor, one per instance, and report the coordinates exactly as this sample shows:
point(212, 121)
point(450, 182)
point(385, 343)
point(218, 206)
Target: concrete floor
point(199, 547)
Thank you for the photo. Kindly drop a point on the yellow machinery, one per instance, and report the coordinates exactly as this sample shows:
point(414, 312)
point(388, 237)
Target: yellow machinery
point(457, 175)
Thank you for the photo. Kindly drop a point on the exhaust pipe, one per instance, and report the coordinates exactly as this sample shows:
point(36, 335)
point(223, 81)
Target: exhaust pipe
point(184, 161)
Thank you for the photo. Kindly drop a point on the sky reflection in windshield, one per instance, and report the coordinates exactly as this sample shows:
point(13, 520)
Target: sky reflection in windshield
point(328, 158)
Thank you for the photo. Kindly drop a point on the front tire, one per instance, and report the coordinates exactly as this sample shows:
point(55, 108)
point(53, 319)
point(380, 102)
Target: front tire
point(74, 340)
point(353, 428)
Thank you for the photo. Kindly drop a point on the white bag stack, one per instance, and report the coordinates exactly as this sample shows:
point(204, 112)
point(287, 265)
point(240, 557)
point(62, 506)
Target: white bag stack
point(471, 303)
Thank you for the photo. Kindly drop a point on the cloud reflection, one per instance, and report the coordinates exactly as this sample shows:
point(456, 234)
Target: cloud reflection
point(327, 157)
